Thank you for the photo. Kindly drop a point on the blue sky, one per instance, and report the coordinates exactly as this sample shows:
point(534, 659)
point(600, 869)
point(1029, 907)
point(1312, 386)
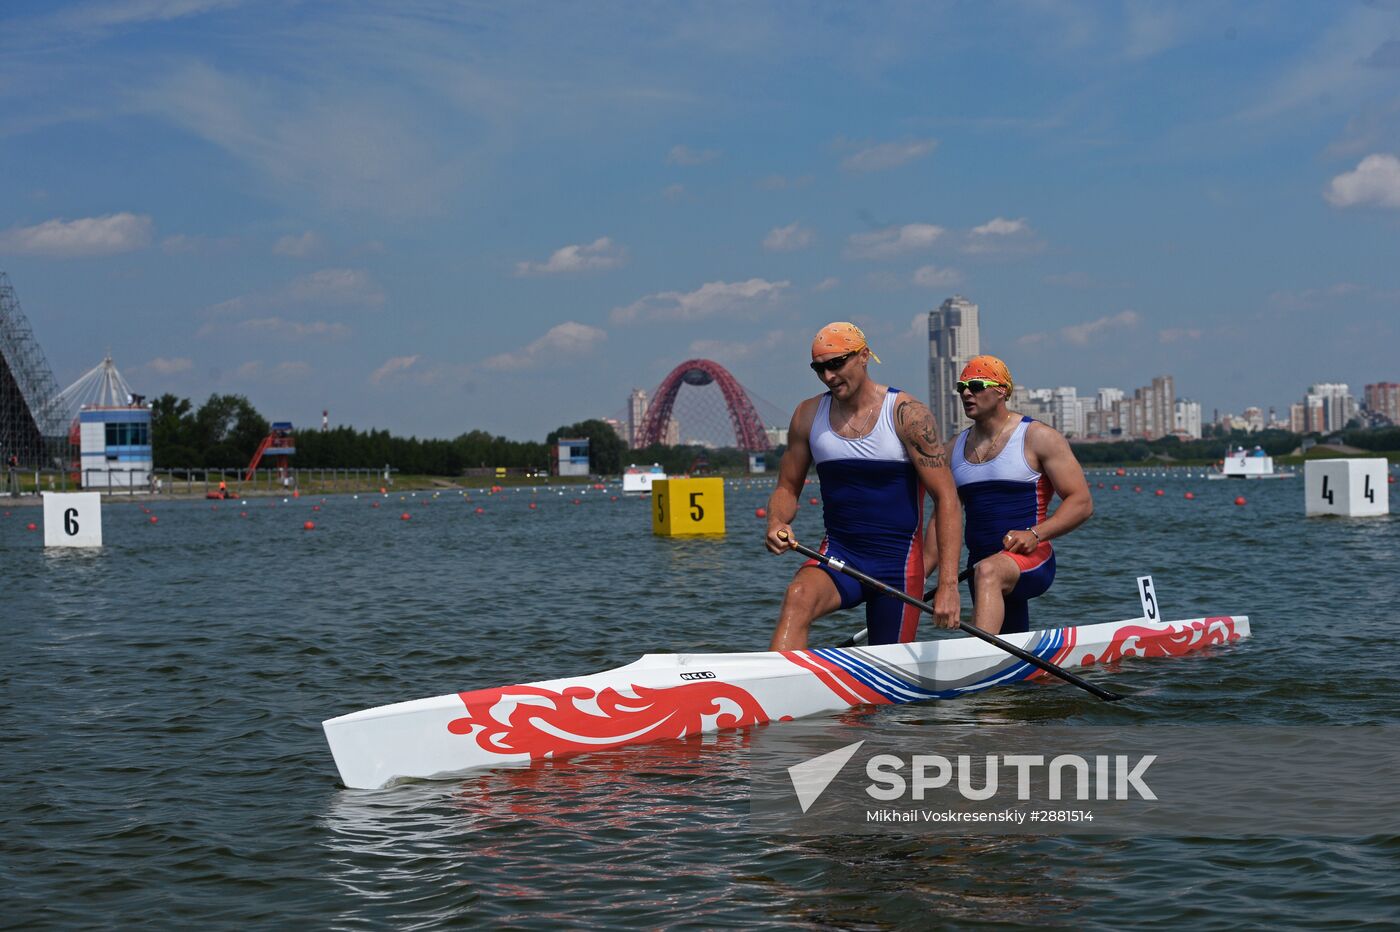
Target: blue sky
point(435, 217)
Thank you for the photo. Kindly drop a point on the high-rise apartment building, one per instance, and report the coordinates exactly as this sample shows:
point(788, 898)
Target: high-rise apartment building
point(953, 339)
point(1064, 401)
point(1383, 398)
point(636, 414)
point(1328, 406)
point(1188, 419)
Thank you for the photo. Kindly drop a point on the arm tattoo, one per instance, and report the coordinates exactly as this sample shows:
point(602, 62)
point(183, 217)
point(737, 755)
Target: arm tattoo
point(922, 434)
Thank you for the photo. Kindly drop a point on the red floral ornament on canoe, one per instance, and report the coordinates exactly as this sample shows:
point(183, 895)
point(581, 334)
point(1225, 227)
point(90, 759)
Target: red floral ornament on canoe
point(1140, 641)
point(544, 723)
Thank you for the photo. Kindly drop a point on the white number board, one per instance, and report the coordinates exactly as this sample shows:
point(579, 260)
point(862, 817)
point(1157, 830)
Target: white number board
point(1151, 611)
point(72, 519)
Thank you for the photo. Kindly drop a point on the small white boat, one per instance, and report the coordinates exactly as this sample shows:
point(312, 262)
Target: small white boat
point(638, 479)
point(1239, 464)
point(664, 696)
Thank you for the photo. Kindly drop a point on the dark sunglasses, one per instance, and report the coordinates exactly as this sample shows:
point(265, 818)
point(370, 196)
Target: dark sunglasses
point(976, 385)
point(831, 365)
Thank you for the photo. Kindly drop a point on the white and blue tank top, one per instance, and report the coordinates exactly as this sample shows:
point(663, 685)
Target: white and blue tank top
point(872, 500)
point(1003, 494)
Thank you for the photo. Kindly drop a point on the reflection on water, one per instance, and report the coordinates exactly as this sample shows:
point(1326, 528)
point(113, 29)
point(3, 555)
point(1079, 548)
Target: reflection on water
point(164, 762)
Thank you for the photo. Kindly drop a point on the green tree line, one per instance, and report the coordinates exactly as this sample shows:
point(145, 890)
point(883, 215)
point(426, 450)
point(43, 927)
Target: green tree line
point(226, 430)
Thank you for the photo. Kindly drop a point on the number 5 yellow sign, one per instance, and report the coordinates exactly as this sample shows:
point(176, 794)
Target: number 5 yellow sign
point(687, 506)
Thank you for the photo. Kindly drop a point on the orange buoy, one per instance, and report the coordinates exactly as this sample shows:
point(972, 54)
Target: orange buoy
point(243, 514)
point(811, 501)
point(374, 504)
point(1190, 496)
point(614, 498)
point(482, 511)
point(577, 502)
point(309, 526)
point(1161, 492)
point(760, 512)
point(1120, 471)
point(533, 506)
point(404, 516)
point(1115, 488)
point(31, 526)
point(1239, 500)
point(1137, 488)
point(154, 519)
point(315, 507)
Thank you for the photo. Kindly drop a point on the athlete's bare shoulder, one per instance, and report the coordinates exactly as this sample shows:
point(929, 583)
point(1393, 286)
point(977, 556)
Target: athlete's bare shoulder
point(915, 424)
point(805, 414)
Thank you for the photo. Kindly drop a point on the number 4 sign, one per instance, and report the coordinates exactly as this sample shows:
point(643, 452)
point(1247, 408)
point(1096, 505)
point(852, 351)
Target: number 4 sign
point(1150, 609)
point(72, 519)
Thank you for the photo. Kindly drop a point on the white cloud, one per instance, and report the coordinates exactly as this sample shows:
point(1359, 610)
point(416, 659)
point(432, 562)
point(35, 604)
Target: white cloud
point(684, 155)
point(324, 287)
point(349, 145)
point(292, 329)
point(826, 284)
point(602, 253)
point(299, 247)
point(931, 276)
point(782, 182)
point(163, 365)
point(888, 155)
point(1082, 334)
point(108, 235)
point(179, 244)
point(1178, 335)
point(336, 286)
point(738, 349)
point(711, 299)
point(918, 327)
point(893, 241)
point(1000, 226)
point(790, 238)
point(673, 192)
point(570, 338)
point(1002, 235)
point(282, 372)
point(392, 365)
point(131, 12)
point(1375, 180)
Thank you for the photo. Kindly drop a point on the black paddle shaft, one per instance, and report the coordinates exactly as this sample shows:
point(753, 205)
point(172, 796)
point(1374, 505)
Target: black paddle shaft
point(842, 567)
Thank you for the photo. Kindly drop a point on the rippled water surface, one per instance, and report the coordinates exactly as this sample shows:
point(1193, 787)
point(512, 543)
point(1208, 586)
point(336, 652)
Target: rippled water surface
point(163, 759)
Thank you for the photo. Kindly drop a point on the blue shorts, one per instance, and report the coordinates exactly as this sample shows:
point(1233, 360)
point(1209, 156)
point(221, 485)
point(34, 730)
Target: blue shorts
point(888, 620)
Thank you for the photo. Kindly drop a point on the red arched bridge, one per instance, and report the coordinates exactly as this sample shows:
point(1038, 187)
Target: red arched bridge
point(748, 428)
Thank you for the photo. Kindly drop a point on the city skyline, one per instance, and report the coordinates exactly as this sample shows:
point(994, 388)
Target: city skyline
point(522, 213)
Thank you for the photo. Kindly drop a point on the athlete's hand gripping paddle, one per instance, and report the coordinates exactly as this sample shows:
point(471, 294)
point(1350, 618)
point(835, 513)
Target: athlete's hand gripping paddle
point(842, 567)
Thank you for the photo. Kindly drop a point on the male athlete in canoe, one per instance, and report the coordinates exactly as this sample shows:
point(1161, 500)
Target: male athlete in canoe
point(1007, 466)
point(876, 450)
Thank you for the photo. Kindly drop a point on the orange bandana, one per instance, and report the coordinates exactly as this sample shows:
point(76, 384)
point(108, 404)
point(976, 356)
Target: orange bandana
point(987, 367)
point(840, 337)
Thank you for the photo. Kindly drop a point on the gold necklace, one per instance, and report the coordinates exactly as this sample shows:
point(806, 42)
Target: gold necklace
point(869, 418)
point(983, 455)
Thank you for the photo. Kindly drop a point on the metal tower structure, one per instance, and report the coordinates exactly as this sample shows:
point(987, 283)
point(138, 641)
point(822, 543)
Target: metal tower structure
point(102, 386)
point(748, 429)
point(33, 421)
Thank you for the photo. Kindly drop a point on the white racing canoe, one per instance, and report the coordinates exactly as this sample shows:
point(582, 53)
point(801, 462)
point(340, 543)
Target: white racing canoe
point(664, 696)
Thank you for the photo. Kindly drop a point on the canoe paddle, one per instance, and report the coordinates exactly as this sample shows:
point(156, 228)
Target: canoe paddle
point(842, 567)
point(863, 635)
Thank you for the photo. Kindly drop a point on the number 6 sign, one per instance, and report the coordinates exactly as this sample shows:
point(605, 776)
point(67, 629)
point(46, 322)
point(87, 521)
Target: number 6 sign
point(72, 519)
